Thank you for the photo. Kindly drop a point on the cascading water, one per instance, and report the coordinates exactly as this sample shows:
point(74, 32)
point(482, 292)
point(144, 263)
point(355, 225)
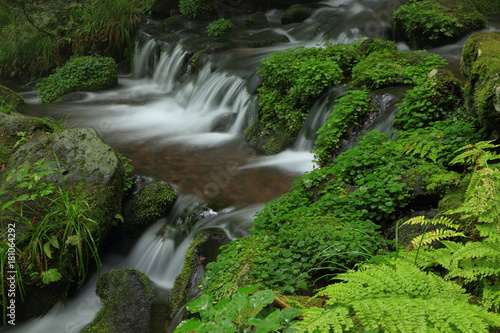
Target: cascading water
point(161, 106)
point(159, 253)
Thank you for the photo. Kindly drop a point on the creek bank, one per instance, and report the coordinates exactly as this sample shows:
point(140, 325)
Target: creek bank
point(64, 189)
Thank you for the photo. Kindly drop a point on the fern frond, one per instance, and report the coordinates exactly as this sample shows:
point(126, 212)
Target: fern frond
point(434, 235)
point(396, 297)
point(474, 154)
point(336, 320)
point(422, 220)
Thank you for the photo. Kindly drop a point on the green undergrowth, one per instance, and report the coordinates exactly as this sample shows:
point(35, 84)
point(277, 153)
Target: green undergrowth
point(79, 73)
point(37, 36)
point(293, 79)
point(436, 22)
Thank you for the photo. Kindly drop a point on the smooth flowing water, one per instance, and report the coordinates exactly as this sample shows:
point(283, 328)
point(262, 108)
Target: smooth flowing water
point(187, 129)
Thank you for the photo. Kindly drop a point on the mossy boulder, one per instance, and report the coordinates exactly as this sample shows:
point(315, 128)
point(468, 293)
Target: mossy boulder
point(126, 296)
point(257, 20)
point(202, 250)
point(266, 140)
point(262, 39)
point(296, 14)
point(77, 183)
point(86, 73)
point(9, 100)
point(481, 65)
point(146, 205)
point(430, 23)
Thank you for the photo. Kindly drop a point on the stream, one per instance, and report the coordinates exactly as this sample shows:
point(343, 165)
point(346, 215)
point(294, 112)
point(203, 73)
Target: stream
point(187, 129)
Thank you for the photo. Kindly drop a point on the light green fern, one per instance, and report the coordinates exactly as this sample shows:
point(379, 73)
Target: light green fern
point(395, 297)
point(436, 234)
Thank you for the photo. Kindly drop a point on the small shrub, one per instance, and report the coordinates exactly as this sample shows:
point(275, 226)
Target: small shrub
point(219, 27)
point(196, 9)
point(79, 73)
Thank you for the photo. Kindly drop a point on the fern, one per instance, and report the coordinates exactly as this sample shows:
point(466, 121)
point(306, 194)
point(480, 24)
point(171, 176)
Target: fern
point(476, 155)
point(395, 297)
point(433, 235)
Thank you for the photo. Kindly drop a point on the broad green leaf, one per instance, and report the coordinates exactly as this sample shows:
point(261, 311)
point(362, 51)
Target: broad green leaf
point(261, 299)
point(46, 250)
point(52, 275)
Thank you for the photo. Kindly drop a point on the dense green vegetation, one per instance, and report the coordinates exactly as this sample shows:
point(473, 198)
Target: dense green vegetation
point(79, 73)
point(434, 22)
point(38, 35)
point(293, 79)
point(437, 162)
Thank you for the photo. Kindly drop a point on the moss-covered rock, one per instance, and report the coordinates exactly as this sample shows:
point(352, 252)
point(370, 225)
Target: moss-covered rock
point(296, 14)
point(436, 22)
point(481, 65)
point(202, 250)
point(257, 20)
point(79, 73)
point(146, 205)
point(262, 39)
point(72, 184)
point(9, 100)
point(126, 296)
point(266, 140)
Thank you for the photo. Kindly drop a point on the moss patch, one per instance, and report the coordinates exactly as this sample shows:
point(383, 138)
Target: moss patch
point(436, 22)
point(481, 65)
point(126, 295)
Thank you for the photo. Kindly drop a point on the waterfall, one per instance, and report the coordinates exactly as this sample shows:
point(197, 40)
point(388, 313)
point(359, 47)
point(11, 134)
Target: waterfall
point(159, 252)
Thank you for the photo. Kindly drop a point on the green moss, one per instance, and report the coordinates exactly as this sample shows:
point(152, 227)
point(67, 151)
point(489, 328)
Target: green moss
point(178, 294)
point(196, 9)
point(9, 100)
point(435, 22)
point(79, 73)
point(126, 295)
point(481, 65)
point(147, 205)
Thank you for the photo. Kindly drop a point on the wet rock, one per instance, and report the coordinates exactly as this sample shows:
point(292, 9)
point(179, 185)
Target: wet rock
point(257, 20)
point(147, 203)
point(162, 8)
point(296, 14)
point(203, 250)
point(262, 39)
point(89, 180)
point(126, 296)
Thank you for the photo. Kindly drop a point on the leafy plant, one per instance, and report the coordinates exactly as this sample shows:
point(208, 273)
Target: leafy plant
point(475, 260)
point(219, 27)
point(395, 297)
point(52, 228)
point(347, 112)
point(427, 22)
point(385, 68)
point(245, 312)
point(196, 9)
point(85, 73)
